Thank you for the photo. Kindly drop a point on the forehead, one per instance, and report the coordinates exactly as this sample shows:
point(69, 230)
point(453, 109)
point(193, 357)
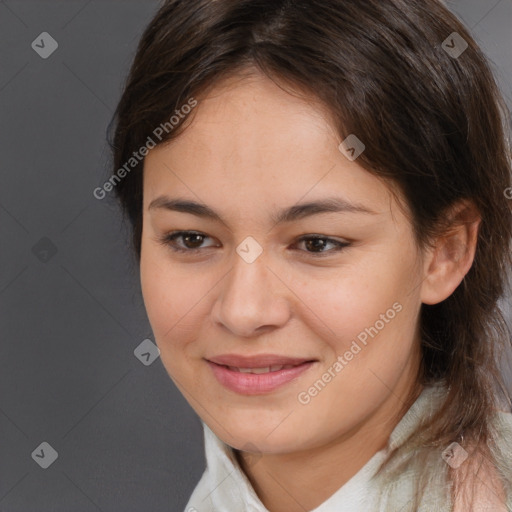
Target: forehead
point(250, 141)
point(258, 120)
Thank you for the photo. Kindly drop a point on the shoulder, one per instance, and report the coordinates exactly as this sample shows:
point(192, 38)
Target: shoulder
point(486, 482)
point(503, 422)
point(502, 443)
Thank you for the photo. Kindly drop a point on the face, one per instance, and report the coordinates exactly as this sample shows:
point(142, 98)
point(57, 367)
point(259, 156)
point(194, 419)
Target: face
point(338, 288)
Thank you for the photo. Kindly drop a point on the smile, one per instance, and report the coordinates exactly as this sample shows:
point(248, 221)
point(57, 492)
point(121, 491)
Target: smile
point(257, 381)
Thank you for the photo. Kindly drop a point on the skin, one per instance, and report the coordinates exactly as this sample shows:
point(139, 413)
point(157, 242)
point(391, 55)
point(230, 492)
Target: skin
point(252, 149)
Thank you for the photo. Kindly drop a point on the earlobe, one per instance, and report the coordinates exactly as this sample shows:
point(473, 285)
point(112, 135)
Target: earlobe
point(453, 254)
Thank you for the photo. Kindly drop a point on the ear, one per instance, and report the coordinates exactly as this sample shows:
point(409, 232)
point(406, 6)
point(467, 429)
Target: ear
point(452, 254)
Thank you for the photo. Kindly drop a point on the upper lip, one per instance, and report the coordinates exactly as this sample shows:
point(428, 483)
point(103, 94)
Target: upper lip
point(257, 361)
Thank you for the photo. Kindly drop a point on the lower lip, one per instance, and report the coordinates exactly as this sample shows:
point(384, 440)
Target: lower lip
point(256, 383)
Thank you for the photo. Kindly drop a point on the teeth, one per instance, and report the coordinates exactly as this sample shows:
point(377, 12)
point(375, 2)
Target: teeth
point(267, 369)
point(254, 370)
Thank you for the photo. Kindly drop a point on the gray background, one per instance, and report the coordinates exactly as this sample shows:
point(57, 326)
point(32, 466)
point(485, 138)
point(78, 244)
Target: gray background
point(71, 308)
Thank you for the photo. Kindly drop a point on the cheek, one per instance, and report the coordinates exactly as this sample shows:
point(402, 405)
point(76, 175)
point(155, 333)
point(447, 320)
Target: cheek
point(176, 300)
point(369, 318)
point(367, 315)
point(356, 297)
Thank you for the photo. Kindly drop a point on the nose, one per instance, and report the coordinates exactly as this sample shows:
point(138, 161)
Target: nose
point(253, 299)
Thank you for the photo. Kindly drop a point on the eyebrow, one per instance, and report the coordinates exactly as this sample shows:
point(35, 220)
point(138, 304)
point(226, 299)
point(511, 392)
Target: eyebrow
point(290, 214)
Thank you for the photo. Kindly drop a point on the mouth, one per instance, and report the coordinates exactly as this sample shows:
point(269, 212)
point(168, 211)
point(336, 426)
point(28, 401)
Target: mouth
point(258, 378)
point(259, 361)
point(257, 371)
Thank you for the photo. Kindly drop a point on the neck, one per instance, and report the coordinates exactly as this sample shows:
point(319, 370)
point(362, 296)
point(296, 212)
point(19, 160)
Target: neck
point(299, 481)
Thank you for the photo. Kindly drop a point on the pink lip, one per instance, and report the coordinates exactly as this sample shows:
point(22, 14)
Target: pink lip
point(256, 384)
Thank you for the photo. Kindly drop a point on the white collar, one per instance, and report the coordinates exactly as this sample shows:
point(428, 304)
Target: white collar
point(224, 487)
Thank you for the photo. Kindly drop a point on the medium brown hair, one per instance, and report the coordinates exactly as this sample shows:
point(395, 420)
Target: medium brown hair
point(434, 124)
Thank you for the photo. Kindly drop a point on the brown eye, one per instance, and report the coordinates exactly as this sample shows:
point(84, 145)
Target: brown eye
point(316, 244)
point(191, 241)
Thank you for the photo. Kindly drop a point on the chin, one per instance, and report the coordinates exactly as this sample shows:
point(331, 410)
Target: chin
point(262, 439)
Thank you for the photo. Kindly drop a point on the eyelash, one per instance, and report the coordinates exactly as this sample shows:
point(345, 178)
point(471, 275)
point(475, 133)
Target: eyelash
point(168, 241)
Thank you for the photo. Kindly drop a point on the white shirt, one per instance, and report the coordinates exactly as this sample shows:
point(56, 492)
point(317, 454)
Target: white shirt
point(224, 487)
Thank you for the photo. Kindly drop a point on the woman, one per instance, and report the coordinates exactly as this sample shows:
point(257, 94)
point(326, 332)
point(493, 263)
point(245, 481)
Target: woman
point(317, 191)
